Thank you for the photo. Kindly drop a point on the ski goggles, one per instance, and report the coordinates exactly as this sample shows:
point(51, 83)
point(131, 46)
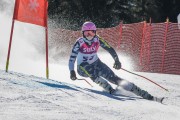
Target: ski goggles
point(89, 33)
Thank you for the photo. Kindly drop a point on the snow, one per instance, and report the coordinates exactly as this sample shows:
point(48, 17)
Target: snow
point(29, 97)
point(178, 19)
point(26, 94)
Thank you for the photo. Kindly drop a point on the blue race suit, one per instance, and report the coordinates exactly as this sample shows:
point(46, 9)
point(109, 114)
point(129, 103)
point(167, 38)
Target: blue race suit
point(88, 63)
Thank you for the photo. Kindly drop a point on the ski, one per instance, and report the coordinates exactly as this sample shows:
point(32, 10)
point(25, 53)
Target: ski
point(160, 100)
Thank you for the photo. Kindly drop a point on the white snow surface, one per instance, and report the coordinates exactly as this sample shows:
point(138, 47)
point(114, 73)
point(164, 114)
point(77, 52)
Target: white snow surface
point(25, 94)
point(27, 97)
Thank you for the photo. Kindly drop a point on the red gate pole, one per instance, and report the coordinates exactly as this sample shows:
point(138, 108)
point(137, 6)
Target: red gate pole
point(47, 62)
point(9, 48)
point(11, 35)
point(164, 48)
point(46, 30)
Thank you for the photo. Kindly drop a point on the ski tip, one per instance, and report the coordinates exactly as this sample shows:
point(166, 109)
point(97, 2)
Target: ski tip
point(160, 100)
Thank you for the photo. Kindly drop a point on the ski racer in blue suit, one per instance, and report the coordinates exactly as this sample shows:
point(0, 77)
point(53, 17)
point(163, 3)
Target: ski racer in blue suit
point(89, 65)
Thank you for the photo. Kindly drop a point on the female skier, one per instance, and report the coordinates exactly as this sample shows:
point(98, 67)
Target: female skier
point(89, 65)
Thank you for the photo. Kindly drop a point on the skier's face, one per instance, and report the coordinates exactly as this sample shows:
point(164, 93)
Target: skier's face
point(89, 34)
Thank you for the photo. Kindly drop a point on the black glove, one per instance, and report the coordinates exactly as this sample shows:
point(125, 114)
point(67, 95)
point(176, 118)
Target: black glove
point(73, 75)
point(117, 65)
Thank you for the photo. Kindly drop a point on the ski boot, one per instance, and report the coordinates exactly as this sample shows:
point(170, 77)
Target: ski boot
point(138, 91)
point(144, 94)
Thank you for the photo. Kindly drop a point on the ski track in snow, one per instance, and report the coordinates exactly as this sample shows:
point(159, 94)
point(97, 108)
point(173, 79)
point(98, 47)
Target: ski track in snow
point(34, 98)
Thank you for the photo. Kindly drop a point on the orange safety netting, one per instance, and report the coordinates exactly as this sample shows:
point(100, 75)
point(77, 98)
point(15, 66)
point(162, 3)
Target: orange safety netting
point(153, 47)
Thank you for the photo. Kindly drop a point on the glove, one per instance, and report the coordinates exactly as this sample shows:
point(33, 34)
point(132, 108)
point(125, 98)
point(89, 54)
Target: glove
point(73, 75)
point(117, 65)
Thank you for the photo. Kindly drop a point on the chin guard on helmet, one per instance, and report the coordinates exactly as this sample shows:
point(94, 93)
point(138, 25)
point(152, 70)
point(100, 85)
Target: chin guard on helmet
point(89, 38)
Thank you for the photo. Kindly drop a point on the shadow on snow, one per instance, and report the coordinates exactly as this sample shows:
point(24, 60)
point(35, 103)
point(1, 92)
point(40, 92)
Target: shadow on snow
point(88, 91)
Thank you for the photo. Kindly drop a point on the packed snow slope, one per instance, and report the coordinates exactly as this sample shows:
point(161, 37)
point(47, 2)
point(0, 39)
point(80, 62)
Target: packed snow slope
point(27, 97)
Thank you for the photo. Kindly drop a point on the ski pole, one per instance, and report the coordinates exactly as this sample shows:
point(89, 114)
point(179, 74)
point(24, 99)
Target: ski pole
point(86, 81)
point(145, 78)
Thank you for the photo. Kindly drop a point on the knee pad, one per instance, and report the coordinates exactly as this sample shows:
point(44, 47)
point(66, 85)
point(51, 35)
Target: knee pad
point(126, 85)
